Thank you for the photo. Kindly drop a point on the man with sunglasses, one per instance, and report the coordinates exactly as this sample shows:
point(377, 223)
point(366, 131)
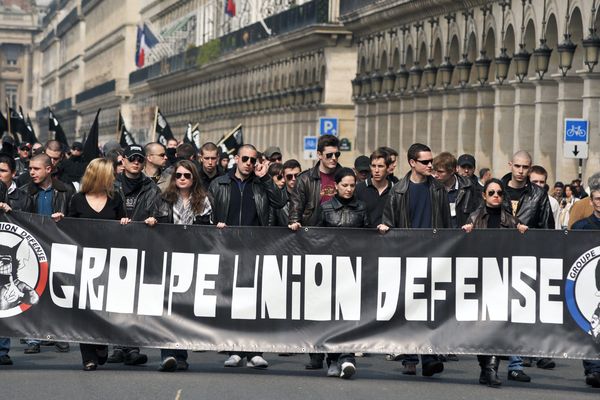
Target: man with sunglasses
point(209, 158)
point(141, 197)
point(244, 197)
point(156, 162)
point(291, 170)
point(418, 201)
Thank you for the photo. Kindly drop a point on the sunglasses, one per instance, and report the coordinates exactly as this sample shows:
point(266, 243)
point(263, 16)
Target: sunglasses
point(246, 158)
point(275, 158)
point(337, 154)
point(493, 192)
point(161, 155)
point(279, 177)
point(185, 175)
point(135, 158)
point(289, 177)
point(425, 162)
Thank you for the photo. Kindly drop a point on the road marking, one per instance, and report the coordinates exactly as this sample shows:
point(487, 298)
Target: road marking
point(178, 395)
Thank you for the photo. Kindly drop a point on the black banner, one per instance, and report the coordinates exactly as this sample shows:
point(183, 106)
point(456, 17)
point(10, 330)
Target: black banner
point(269, 289)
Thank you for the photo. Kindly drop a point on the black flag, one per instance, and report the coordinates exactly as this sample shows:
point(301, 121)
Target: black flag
point(59, 133)
point(231, 142)
point(3, 124)
point(125, 138)
point(90, 147)
point(192, 136)
point(163, 129)
point(31, 131)
point(17, 125)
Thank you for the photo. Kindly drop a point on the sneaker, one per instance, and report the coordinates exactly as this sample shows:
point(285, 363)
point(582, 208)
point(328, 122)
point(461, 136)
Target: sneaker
point(410, 369)
point(117, 356)
point(102, 355)
point(62, 347)
point(257, 362)
point(233, 361)
point(135, 358)
point(5, 360)
point(334, 370)
point(182, 365)
point(545, 363)
point(593, 379)
point(348, 369)
point(169, 364)
point(32, 348)
point(518, 376)
point(432, 367)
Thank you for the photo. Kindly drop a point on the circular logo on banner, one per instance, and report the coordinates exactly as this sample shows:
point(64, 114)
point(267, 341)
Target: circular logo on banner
point(23, 270)
point(582, 291)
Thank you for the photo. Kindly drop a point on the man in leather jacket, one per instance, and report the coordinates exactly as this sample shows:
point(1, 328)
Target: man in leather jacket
point(291, 171)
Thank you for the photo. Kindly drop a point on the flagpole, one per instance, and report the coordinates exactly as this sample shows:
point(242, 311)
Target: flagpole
point(154, 124)
point(8, 119)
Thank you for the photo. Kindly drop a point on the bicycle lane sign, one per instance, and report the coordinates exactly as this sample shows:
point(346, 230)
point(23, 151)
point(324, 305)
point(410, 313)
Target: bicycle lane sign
point(576, 130)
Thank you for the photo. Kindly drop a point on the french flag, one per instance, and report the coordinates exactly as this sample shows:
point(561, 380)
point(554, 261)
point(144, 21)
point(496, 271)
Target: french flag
point(144, 42)
point(230, 8)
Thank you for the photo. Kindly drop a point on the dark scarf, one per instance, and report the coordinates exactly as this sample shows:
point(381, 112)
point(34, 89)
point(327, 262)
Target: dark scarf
point(131, 185)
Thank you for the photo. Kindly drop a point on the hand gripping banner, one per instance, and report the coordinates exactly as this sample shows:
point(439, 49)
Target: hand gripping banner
point(270, 289)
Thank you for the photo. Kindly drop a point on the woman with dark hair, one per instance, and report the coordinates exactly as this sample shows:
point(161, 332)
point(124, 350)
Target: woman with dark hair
point(97, 200)
point(184, 202)
point(344, 210)
point(565, 206)
point(491, 215)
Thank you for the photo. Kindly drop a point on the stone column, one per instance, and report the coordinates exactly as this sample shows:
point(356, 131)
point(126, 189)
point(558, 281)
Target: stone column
point(591, 103)
point(434, 122)
point(484, 127)
point(419, 122)
point(569, 106)
point(381, 134)
point(406, 124)
point(449, 134)
point(524, 116)
point(504, 114)
point(393, 138)
point(361, 125)
point(544, 138)
point(371, 131)
point(467, 116)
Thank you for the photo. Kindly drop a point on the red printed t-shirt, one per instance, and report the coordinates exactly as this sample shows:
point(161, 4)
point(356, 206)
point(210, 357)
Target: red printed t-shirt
point(327, 187)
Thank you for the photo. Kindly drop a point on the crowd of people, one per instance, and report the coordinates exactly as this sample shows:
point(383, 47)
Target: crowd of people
point(174, 184)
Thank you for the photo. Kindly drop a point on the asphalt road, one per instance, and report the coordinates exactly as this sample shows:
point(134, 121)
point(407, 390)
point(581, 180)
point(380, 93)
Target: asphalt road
point(50, 375)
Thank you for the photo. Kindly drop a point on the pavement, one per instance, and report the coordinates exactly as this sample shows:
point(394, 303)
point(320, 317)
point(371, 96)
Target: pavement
point(51, 375)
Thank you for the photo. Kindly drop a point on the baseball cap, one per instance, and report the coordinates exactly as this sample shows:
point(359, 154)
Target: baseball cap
point(466, 159)
point(77, 146)
point(272, 150)
point(362, 164)
point(133, 150)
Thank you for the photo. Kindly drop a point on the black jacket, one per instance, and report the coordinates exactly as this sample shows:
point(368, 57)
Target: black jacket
point(266, 196)
point(165, 215)
point(479, 218)
point(375, 202)
point(61, 196)
point(467, 200)
point(396, 213)
point(306, 197)
point(336, 214)
point(17, 199)
point(280, 216)
point(534, 207)
point(147, 199)
point(72, 169)
point(3, 193)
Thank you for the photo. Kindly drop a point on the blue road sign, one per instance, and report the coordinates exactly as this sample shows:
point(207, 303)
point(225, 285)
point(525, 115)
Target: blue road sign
point(328, 126)
point(310, 143)
point(576, 130)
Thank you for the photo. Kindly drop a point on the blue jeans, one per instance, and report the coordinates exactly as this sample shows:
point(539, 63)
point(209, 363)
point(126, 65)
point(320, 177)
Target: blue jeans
point(33, 341)
point(4, 346)
point(590, 366)
point(414, 359)
point(515, 363)
point(180, 355)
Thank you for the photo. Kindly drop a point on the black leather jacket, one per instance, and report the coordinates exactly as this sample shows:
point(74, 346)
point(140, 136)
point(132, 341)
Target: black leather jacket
point(306, 197)
point(479, 218)
point(534, 207)
point(148, 200)
point(336, 214)
point(396, 213)
point(61, 196)
point(280, 216)
point(266, 196)
point(467, 200)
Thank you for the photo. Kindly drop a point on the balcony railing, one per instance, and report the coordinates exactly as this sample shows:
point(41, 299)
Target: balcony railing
point(104, 88)
point(348, 6)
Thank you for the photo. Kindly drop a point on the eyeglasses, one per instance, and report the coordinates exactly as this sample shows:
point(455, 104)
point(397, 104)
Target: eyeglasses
point(246, 158)
point(490, 193)
point(279, 177)
point(119, 163)
point(425, 162)
point(185, 175)
point(289, 177)
point(135, 158)
point(161, 155)
point(337, 154)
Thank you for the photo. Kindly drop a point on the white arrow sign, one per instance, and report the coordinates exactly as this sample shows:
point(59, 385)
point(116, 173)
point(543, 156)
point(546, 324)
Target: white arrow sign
point(577, 150)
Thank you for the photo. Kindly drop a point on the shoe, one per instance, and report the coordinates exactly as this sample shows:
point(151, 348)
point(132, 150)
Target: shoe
point(545, 363)
point(334, 370)
point(117, 356)
point(489, 371)
point(410, 369)
point(32, 348)
point(348, 369)
point(316, 362)
point(169, 364)
point(518, 376)
point(359, 354)
point(432, 367)
point(257, 362)
point(5, 360)
point(62, 347)
point(233, 361)
point(135, 358)
point(90, 366)
point(593, 379)
point(182, 365)
point(102, 355)
point(451, 357)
